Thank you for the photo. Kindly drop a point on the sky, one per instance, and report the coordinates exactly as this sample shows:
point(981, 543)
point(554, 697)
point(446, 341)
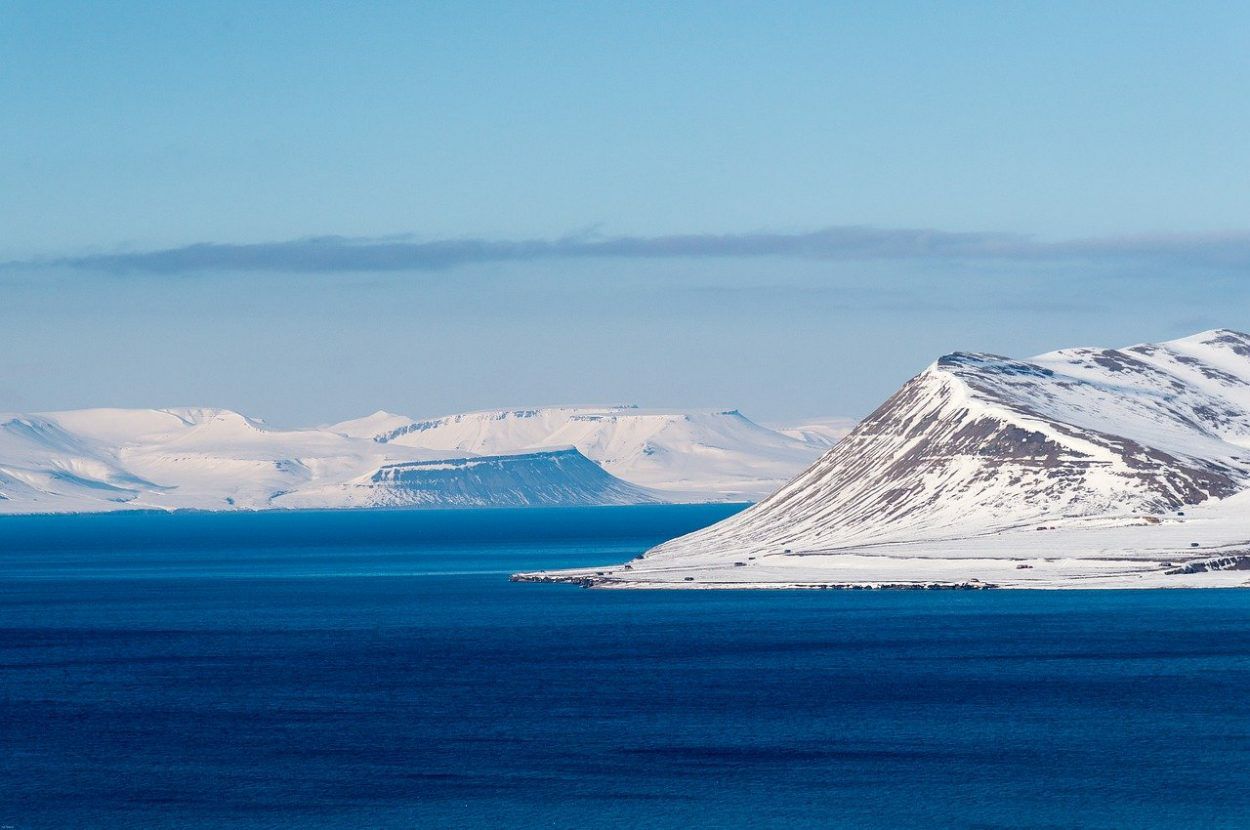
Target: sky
point(307, 212)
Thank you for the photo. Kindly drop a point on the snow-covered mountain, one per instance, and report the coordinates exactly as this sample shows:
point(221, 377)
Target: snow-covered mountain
point(719, 455)
point(216, 459)
point(546, 478)
point(46, 464)
point(108, 459)
point(992, 469)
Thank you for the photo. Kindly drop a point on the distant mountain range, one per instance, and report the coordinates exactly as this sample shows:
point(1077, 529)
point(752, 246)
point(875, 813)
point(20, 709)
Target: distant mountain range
point(695, 456)
point(1082, 466)
point(216, 459)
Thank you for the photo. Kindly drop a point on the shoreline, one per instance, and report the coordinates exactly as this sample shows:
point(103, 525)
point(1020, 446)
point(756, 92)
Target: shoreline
point(1228, 569)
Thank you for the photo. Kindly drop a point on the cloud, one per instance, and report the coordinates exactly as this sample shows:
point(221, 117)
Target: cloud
point(336, 254)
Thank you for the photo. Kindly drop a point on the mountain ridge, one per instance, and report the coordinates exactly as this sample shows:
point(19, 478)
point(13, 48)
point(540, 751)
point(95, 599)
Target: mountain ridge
point(711, 453)
point(207, 458)
point(985, 446)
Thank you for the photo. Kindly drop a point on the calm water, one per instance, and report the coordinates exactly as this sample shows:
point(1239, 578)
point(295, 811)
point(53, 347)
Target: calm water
point(377, 670)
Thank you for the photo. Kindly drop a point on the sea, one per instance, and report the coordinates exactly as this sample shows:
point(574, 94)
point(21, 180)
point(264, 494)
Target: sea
point(376, 669)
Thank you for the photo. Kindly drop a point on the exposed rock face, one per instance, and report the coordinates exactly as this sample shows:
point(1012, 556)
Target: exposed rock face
point(562, 477)
point(978, 443)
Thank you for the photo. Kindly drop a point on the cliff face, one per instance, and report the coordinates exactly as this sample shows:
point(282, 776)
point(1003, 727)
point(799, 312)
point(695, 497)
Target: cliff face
point(556, 478)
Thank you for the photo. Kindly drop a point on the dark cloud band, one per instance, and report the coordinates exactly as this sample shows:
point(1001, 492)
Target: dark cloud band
point(849, 243)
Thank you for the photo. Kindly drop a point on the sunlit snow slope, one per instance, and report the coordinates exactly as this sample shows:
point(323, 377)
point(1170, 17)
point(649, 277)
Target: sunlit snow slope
point(821, 432)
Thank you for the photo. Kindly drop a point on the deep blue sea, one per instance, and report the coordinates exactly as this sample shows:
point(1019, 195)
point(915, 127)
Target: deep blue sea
point(377, 670)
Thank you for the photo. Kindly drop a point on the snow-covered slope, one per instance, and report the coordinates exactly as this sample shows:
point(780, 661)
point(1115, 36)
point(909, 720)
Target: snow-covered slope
point(819, 432)
point(981, 454)
point(43, 463)
point(215, 459)
point(371, 426)
point(719, 455)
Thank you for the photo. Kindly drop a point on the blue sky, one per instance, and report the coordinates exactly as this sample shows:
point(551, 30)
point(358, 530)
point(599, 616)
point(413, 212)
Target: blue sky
point(789, 208)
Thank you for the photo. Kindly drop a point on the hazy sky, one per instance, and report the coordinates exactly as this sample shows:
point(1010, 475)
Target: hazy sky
point(308, 212)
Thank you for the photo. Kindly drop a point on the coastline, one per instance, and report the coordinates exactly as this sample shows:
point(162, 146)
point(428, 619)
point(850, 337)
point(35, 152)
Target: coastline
point(1224, 569)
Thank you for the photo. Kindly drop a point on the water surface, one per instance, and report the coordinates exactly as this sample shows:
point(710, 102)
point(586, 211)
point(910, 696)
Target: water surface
point(352, 669)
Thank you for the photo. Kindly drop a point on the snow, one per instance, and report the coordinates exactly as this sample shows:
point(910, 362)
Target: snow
point(378, 423)
point(217, 459)
point(950, 480)
point(694, 455)
point(819, 432)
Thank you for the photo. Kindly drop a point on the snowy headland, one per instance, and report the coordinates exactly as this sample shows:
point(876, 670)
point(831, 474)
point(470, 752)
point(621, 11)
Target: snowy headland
point(1081, 468)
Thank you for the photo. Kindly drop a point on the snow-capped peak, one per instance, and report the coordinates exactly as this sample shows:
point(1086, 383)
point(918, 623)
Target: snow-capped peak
point(979, 442)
